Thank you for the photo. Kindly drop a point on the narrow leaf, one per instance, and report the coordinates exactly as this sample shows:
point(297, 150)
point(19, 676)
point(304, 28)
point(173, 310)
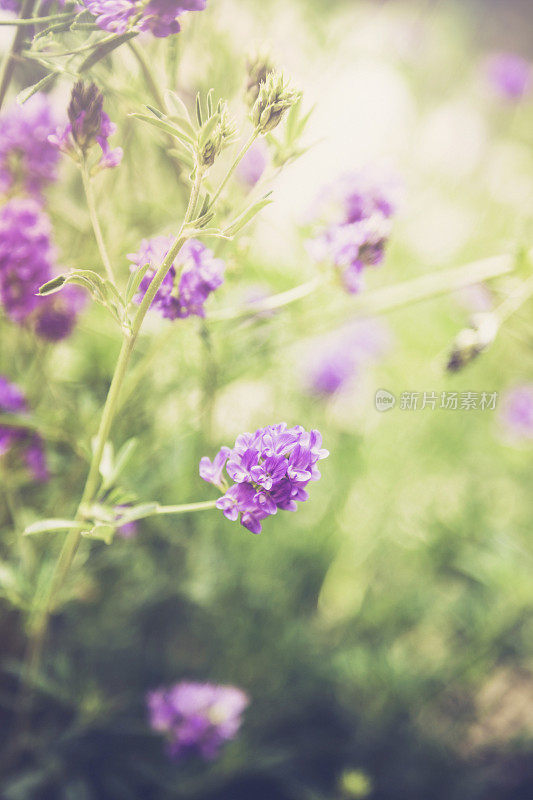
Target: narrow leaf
point(25, 94)
point(48, 525)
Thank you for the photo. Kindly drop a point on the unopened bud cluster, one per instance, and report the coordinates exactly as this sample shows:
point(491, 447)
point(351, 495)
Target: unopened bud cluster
point(215, 134)
point(259, 66)
point(274, 99)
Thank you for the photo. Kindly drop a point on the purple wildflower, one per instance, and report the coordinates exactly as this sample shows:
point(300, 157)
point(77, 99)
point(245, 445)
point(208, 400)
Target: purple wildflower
point(27, 159)
point(335, 361)
point(190, 280)
point(197, 718)
point(269, 469)
point(88, 125)
point(358, 211)
point(253, 164)
point(509, 75)
point(159, 17)
point(517, 412)
point(21, 444)
point(26, 262)
point(26, 256)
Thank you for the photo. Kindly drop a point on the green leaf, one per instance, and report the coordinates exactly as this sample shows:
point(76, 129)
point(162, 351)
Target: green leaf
point(25, 94)
point(49, 525)
point(134, 282)
point(176, 106)
point(244, 218)
point(121, 461)
point(101, 289)
point(170, 128)
point(104, 49)
point(53, 286)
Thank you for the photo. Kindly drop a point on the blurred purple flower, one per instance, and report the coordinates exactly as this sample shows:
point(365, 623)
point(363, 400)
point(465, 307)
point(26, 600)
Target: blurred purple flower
point(270, 469)
point(509, 75)
point(27, 258)
point(357, 210)
point(20, 442)
point(517, 412)
point(160, 17)
point(193, 276)
point(253, 164)
point(335, 361)
point(27, 159)
point(197, 718)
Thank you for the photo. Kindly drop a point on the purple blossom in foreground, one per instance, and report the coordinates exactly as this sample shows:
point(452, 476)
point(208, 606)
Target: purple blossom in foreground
point(27, 159)
point(197, 718)
point(20, 444)
point(335, 361)
point(358, 211)
point(270, 470)
point(193, 276)
point(27, 258)
point(88, 125)
point(509, 75)
point(517, 412)
point(159, 17)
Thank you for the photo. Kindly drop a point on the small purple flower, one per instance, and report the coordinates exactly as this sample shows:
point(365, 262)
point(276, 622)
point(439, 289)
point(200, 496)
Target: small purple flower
point(211, 471)
point(160, 17)
point(193, 276)
point(358, 211)
point(27, 159)
point(196, 718)
point(270, 469)
point(254, 163)
point(335, 361)
point(509, 75)
point(517, 412)
point(88, 125)
point(20, 445)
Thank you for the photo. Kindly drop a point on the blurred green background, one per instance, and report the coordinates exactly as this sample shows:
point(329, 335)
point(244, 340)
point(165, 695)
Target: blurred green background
point(384, 631)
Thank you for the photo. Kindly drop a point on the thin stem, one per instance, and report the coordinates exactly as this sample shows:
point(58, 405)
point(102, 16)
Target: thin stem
point(73, 539)
point(91, 205)
point(387, 298)
point(515, 301)
point(8, 64)
point(240, 155)
point(36, 20)
point(186, 508)
point(147, 74)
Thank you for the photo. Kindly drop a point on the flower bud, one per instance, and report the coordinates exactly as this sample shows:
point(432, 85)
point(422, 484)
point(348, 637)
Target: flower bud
point(273, 100)
point(470, 342)
point(258, 66)
point(217, 132)
point(85, 114)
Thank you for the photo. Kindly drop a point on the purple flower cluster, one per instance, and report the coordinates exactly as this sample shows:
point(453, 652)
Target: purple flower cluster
point(334, 362)
point(270, 469)
point(20, 442)
point(27, 159)
point(188, 283)
point(196, 717)
point(159, 17)
point(88, 125)
point(363, 204)
point(26, 262)
point(509, 75)
point(517, 412)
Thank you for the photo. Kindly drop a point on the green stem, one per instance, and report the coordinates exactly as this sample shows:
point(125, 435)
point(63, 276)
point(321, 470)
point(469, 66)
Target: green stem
point(240, 155)
point(19, 23)
point(72, 541)
point(186, 508)
point(91, 205)
point(387, 298)
point(8, 64)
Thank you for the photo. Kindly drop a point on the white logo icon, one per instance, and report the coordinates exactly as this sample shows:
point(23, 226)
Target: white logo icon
point(384, 400)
